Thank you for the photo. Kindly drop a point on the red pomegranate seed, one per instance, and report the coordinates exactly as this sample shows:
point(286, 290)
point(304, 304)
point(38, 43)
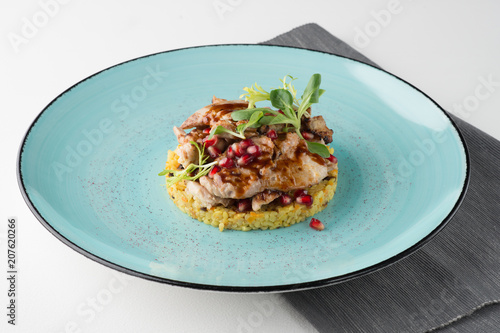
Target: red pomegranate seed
point(245, 159)
point(272, 135)
point(226, 162)
point(230, 152)
point(214, 170)
point(285, 199)
point(206, 130)
point(213, 152)
point(244, 205)
point(254, 151)
point(316, 224)
point(236, 150)
point(332, 159)
point(299, 193)
point(210, 142)
point(281, 112)
point(308, 135)
point(244, 144)
point(305, 200)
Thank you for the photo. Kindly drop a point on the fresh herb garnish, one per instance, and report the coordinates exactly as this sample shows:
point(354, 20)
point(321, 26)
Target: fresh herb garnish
point(221, 129)
point(255, 94)
point(253, 121)
point(202, 168)
point(284, 99)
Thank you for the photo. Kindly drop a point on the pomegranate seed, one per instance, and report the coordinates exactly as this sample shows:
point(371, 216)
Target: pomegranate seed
point(308, 135)
point(305, 200)
point(244, 144)
point(316, 224)
point(230, 152)
point(281, 112)
point(254, 151)
point(206, 130)
point(236, 149)
point(211, 142)
point(299, 193)
point(285, 199)
point(214, 170)
point(332, 159)
point(244, 205)
point(226, 162)
point(245, 159)
point(272, 135)
point(213, 152)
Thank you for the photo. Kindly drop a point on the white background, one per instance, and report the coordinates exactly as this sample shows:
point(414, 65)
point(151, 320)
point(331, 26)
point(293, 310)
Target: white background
point(446, 48)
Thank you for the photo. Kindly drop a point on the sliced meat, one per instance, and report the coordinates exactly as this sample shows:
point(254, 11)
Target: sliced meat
point(204, 197)
point(180, 134)
point(187, 154)
point(214, 114)
point(196, 135)
point(317, 125)
point(263, 198)
point(285, 164)
point(287, 147)
point(218, 100)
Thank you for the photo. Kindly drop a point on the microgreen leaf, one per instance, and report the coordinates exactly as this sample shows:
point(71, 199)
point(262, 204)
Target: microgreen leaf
point(220, 129)
point(312, 85)
point(281, 99)
point(279, 119)
point(311, 94)
point(164, 172)
point(289, 86)
point(318, 148)
point(247, 113)
point(254, 120)
point(255, 94)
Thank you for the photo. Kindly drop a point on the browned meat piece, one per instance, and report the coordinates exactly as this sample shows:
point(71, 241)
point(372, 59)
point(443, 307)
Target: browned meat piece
point(218, 100)
point(187, 154)
point(285, 164)
point(186, 151)
point(195, 135)
point(218, 113)
point(263, 198)
point(206, 199)
point(317, 125)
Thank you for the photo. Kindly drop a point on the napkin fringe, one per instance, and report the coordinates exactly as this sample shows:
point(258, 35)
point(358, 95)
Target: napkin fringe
point(464, 316)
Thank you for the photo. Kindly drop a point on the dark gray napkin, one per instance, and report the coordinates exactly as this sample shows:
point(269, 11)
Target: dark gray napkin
point(452, 284)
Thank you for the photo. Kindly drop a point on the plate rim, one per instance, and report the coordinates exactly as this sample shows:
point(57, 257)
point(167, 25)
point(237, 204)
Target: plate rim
point(246, 289)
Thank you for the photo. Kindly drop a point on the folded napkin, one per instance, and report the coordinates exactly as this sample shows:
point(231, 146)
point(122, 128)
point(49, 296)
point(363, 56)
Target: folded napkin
point(452, 284)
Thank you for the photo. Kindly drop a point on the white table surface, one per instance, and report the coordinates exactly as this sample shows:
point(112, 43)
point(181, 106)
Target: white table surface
point(450, 49)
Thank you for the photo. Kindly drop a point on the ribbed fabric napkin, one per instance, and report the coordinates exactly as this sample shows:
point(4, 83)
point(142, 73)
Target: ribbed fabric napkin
point(452, 284)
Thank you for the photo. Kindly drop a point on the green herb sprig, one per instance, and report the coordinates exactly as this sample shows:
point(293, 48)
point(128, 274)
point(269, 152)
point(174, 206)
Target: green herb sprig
point(203, 169)
point(253, 120)
point(285, 99)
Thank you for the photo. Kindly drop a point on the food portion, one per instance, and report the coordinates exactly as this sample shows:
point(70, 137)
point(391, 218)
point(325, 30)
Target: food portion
point(238, 166)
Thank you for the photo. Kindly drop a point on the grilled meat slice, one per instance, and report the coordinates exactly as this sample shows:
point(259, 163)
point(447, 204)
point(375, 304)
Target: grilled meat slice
point(284, 164)
point(317, 125)
point(263, 198)
point(206, 198)
point(217, 113)
point(187, 154)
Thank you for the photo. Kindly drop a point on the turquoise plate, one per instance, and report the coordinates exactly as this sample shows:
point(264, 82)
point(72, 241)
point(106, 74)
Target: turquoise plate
point(88, 170)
